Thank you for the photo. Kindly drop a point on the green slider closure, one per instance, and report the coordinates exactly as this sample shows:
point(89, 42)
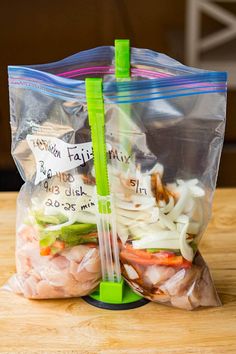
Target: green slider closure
point(122, 58)
point(96, 115)
point(122, 70)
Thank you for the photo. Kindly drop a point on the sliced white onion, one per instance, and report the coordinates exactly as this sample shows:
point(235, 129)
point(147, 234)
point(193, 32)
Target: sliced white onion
point(83, 217)
point(157, 168)
point(160, 225)
point(122, 197)
point(179, 206)
point(136, 204)
point(143, 230)
point(154, 215)
point(167, 222)
point(168, 207)
point(146, 199)
point(86, 217)
point(122, 232)
point(196, 191)
point(151, 214)
point(190, 182)
point(59, 226)
point(193, 228)
point(126, 221)
point(155, 243)
point(183, 219)
point(185, 249)
point(189, 206)
point(161, 204)
point(153, 235)
point(180, 182)
point(179, 227)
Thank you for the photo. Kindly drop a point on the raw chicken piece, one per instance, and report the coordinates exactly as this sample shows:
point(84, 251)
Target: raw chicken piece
point(82, 275)
point(75, 271)
point(47, 291)
point(178, 284)
point(30, 287)
point(60, 262)
point(184, 288)
point(53, 275)
point(34, 273)
point(88, 269)
point(75, 253)
point(181, 302)
point(23, 264)
point(79, 274)
point(207, 292)
point(15, 284)
point(160, 297)
point(29, 254)
point(131, 272)
point(73, 287)
point(158, 274)
point(91, 261)
point(27, 233)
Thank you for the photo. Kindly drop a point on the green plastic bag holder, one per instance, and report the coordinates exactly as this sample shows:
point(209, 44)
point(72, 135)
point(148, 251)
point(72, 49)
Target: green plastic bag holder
point(114, 294)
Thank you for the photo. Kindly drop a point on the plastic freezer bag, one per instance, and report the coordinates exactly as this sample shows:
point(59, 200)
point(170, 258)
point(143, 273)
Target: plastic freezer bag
point(164, 134)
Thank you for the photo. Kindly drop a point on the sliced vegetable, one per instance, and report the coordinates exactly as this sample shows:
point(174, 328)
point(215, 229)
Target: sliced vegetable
point(171, 241)
point(168, 207)
point(197, 192)
point(138, 253)
point(136, 203)
point(77, 234)
point(48, 238)
point(122, 232)
point(156, 250)
point(193, 228)
point(145, 253)
point(152, 231)
point(80, 240)
point(86, 217)
point(166, 222)
point(179, 206)
point(70, 235)
point(45, 251)
point(175, 261)
point(77, 229)
point(43, 219)
point(185, 249)
point(59, 245)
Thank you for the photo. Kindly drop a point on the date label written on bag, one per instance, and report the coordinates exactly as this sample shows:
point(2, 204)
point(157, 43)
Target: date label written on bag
point(53, 155)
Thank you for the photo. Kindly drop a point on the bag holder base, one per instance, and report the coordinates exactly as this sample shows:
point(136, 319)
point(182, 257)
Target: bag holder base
point(115, 296)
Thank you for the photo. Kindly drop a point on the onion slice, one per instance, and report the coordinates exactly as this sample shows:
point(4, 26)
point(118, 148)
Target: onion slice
point(185, 249)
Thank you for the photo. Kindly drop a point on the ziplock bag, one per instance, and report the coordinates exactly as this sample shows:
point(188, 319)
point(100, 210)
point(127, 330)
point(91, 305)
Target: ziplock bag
point(164, 135)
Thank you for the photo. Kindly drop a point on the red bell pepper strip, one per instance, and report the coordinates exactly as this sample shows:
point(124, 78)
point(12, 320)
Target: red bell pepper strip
point(45, 251)
point(175, 261)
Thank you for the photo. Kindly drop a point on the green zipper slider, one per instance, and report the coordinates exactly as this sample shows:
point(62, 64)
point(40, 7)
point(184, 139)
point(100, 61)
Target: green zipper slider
point(122, 58)
point(96, 115)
